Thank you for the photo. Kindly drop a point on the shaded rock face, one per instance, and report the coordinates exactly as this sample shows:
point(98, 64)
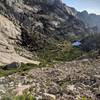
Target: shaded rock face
point(49, 2)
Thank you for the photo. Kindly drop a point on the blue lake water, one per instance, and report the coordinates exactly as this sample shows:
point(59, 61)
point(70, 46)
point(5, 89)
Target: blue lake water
point(76, 43)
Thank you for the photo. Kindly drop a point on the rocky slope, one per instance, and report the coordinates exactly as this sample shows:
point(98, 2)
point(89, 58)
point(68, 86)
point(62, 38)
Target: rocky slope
point(76, 80)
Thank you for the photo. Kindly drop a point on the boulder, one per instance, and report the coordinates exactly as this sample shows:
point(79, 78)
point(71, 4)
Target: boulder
point(12, 65)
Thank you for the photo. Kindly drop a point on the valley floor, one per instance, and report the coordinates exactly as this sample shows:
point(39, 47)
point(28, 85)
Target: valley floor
point(76, 80)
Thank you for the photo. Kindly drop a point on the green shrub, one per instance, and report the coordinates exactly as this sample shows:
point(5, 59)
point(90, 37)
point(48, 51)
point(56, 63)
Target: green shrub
point(24, 67)
point(61, 52)
point(25, 97)
point(22, 97)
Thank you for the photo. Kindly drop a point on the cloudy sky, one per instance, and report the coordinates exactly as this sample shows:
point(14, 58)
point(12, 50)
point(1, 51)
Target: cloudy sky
point(92, 6)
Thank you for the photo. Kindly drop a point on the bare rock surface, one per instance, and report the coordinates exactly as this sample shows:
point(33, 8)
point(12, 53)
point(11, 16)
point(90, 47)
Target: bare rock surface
point(9, 35)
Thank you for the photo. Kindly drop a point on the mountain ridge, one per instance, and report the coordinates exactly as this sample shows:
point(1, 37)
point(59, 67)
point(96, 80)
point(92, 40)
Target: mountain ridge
point(91, 20)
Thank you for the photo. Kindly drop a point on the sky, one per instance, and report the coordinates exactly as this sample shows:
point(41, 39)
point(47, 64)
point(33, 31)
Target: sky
point(92, 6)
